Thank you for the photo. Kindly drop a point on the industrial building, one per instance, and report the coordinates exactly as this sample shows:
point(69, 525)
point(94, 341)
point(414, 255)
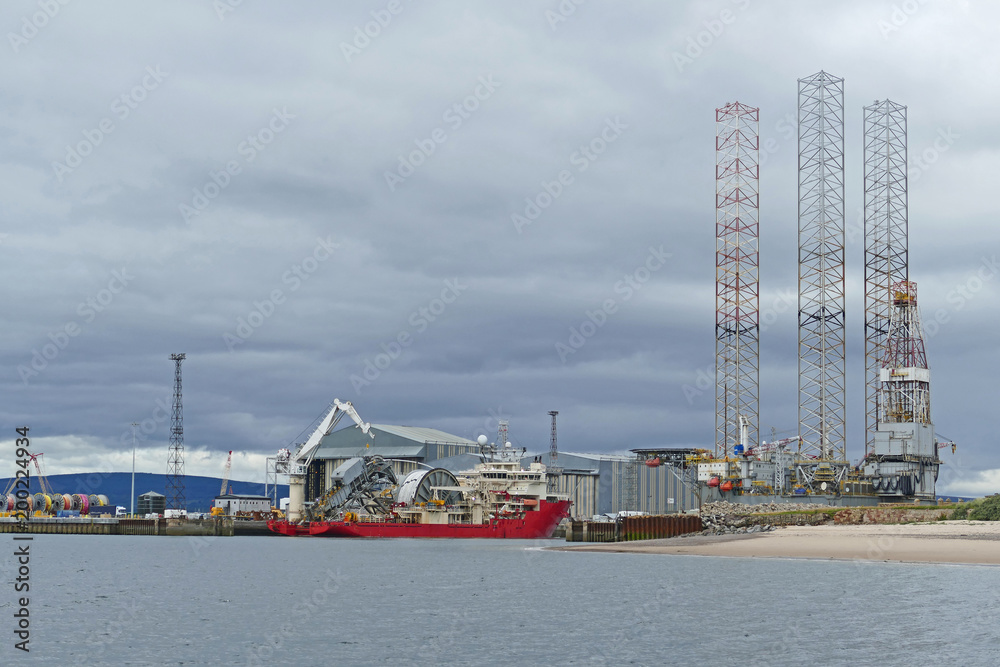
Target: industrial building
point(151, 502)
point(232, 503)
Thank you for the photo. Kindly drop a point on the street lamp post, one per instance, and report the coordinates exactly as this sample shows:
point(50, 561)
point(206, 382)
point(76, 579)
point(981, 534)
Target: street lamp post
point(131, 500)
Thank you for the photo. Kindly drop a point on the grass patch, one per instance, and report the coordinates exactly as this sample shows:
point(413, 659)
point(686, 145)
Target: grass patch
point(985, 509)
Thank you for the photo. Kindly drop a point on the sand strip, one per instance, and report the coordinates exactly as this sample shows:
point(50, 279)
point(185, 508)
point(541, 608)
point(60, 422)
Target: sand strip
point(966, 542)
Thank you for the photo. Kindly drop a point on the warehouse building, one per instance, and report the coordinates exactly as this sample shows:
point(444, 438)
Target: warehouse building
point(152, 502)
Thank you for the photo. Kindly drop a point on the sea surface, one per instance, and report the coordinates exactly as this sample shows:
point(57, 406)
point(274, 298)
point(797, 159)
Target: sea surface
point(110, 600)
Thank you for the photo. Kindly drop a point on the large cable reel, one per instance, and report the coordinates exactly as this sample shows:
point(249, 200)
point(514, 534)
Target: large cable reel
point(419, 487)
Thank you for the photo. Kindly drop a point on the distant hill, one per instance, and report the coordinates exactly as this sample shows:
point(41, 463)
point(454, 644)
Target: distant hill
point(198, 491)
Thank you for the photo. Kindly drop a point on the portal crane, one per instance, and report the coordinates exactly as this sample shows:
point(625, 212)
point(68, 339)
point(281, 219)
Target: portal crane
point(43, 483)
point(299, 462)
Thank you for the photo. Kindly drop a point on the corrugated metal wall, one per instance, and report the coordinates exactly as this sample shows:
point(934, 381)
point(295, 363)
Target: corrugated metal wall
point(660, 492)
point(443, 451)
point(582, 490)
point(657, 490)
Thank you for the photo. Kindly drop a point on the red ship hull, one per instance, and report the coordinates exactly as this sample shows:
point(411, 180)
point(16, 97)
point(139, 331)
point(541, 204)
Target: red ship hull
point(540, 523)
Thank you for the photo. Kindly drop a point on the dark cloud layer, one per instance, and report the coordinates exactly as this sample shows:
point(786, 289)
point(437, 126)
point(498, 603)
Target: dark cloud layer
point(286, 199)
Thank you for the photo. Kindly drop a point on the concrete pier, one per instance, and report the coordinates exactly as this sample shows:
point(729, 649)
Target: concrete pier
point(111, 526)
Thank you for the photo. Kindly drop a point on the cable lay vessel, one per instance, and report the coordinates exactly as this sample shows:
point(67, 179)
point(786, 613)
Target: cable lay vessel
point(497, 499)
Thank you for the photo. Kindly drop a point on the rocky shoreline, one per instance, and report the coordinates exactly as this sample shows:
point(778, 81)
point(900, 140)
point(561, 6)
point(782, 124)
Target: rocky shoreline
point(726, 518)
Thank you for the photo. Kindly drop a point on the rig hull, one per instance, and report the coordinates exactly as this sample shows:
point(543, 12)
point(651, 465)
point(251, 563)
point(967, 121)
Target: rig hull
point(536, 524)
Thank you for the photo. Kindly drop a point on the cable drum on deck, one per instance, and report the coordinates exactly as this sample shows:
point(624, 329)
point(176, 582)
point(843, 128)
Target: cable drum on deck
point(419, 485)
point(38, 502)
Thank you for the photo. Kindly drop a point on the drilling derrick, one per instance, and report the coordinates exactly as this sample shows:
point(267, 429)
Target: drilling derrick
point(904, 461)
point(737, 323)
point(822, 360)
point(886, 242)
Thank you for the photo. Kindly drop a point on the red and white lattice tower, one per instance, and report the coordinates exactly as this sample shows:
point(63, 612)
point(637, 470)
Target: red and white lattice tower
point(737, 322)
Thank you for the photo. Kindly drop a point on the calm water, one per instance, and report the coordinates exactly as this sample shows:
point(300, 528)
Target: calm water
point(197, 601)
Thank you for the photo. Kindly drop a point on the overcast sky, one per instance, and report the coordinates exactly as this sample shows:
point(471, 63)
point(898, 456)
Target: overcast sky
point(287, 192)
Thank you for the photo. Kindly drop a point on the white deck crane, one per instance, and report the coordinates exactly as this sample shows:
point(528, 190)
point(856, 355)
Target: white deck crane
point(300, 460)
point(773, 445)
point(225, 473)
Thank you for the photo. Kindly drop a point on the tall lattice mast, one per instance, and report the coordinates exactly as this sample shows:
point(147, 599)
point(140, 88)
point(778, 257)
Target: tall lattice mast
point(553, 470)
point(886, 240)
point(553, 446)
point(175, 455)
point(822, 386)
point(737, 321)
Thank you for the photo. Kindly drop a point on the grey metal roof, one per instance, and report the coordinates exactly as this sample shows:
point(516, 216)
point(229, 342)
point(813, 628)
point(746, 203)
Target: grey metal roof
point(389, 441)
point(588, 457)
point(387, 451)
point(423, 434)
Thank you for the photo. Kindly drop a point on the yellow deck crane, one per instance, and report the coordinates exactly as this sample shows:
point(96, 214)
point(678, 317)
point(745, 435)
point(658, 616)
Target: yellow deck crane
point(218, 511)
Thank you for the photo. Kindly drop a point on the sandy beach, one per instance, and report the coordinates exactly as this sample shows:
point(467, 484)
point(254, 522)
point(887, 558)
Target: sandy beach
point(969, 542)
